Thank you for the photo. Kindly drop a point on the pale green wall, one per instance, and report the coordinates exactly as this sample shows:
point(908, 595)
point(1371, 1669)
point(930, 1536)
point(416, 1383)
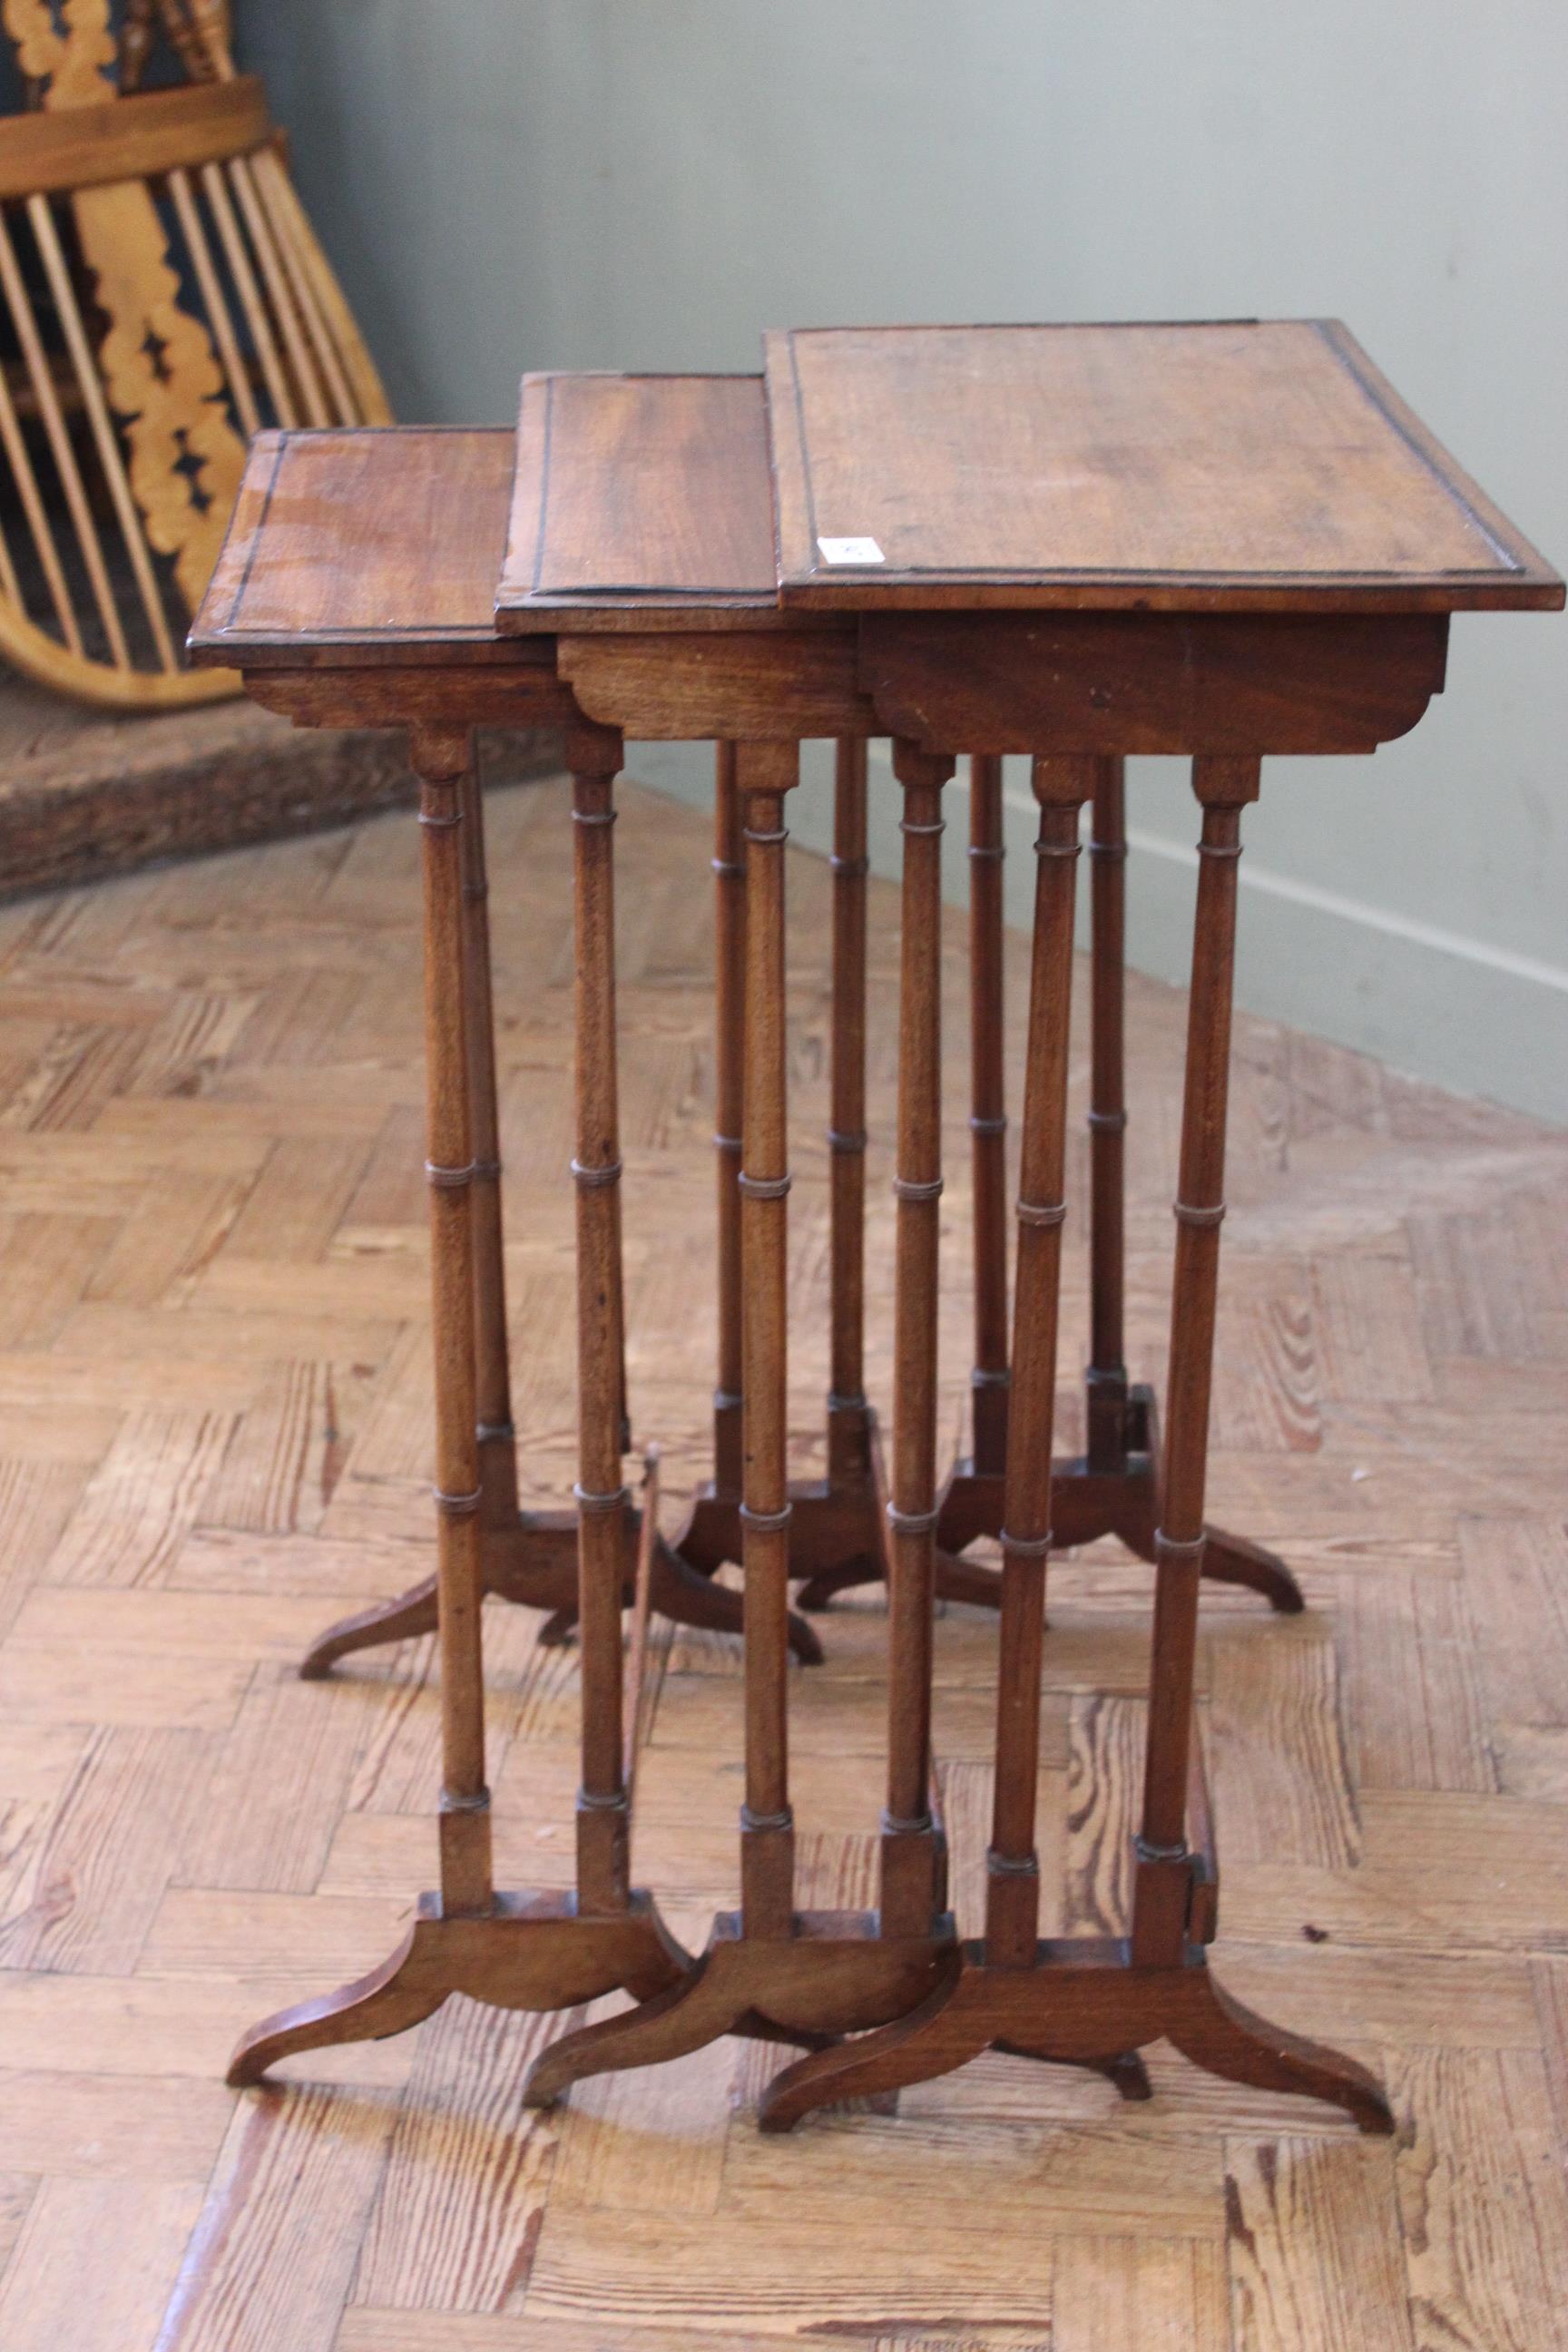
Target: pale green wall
point(511, 183)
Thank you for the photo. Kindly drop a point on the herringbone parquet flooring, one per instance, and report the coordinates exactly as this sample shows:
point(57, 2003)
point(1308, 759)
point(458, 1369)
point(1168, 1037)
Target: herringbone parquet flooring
point(215, 1437)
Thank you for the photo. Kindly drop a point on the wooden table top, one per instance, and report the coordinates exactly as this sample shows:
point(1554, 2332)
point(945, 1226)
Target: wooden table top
point(1233, 466)
point(1218, 469)
point(641, 502)
point(370, 542)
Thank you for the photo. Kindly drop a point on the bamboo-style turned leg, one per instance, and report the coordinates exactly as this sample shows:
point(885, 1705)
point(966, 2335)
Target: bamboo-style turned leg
point(849, 1417)
point(910, 1860)
point(838, 1537)
point(1112, 1488)
point(467, 1883)
point(1091, 1998)
point(848, 1414)
point(497, 1438)
point(1122, 1462)
point(987, 1118)
point(603, 1823)
point(767, 1968)
point(713, 1532)
point(767, 1828)
point(1107, 1373)
point(730, 964)
point(530, 1558)
point(1012, 1870)
point(833, 1538)
point(536, 1951)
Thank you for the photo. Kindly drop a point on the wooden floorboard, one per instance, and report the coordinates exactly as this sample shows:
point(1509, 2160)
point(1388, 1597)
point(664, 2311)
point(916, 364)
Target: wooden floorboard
point(215, 1432)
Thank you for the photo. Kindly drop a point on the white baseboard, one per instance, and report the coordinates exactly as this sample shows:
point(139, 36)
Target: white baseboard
point(1449, 1010)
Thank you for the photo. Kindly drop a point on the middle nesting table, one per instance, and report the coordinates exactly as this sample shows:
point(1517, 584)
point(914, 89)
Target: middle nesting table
point(641, 591)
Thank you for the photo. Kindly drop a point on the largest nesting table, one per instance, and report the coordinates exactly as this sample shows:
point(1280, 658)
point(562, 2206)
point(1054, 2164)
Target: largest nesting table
point(1253, 551)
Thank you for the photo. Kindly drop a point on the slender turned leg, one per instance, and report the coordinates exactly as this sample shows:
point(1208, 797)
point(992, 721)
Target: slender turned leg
point(729, 985)
point(1107, 1375)
point(941, 2036)
point(1220, 2033)
point(767, 1829)
point(1163, 1881)
point(523, 1552)
point(602, 1832)
point(1122, 1423)
point(415, 1611)
point(955, 1579)
point(910, 1857)
point(497, 1437)
point(848, 1415)
point(1094, 2000)
point(988, 1119)
point(749, 1963)
point(1012, 1870)
point(837, 1538)
point(466, 1884)
point(1111, 1488)
point(385, 2001)
point(973, 1500)
point(538, 1950)
point(712, 1534)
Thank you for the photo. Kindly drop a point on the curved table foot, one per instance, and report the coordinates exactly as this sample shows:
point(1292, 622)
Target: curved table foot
point(672, 2024)
point(532, 1951)
point(684, 1594)
point(1082, 2004)
point(933, 2039)
point(1227, 2038)
point(412, 1613)
point(533, 1564)
point(835, 1975)
point(1234, 1560)
point(956, 1580)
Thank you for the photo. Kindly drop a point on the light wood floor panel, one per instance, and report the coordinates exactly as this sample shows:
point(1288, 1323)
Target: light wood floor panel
point(215, 1437)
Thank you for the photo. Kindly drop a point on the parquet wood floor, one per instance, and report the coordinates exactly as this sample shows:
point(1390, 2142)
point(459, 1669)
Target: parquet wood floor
point(215, 1437)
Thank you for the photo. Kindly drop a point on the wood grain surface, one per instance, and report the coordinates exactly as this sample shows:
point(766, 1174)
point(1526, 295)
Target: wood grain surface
point(1238, 463)
point(644, 490)
point(348, 534)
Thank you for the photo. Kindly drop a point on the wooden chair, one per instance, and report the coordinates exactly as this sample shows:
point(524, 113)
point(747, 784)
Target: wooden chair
point(166, 297)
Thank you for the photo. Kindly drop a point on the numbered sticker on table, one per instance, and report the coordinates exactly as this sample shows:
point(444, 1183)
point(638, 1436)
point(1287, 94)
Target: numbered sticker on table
point(851, 550)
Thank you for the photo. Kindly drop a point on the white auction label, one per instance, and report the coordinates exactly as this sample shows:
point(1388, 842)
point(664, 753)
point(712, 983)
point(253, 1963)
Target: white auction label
point(851, 550)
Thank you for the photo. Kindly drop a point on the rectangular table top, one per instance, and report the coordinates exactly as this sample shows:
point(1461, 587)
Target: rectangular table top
point(1233, 466)
point(640, 501)
point(379, 540)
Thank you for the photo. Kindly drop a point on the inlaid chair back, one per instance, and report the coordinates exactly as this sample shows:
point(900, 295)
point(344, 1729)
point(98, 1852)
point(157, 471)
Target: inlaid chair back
point(163, 296)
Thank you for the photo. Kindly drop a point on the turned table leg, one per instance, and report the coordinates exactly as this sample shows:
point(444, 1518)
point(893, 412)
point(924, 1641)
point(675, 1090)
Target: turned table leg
point(767, 1968)
point(603, 1824)
point(1096, 2001)
point(1112, 1488)
point(1012, 1865)
point(910, 1857)
point(848, 1414)
point(539, 1950)
point(834, 1536)
point(529, 1557)
point(767, 1829)
point(728, 978)
point(987, 1118)
point(1107, 1375)
point(1117, 1492)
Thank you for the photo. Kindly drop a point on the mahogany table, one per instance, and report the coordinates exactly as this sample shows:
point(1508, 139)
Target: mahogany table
point(1224, 541)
